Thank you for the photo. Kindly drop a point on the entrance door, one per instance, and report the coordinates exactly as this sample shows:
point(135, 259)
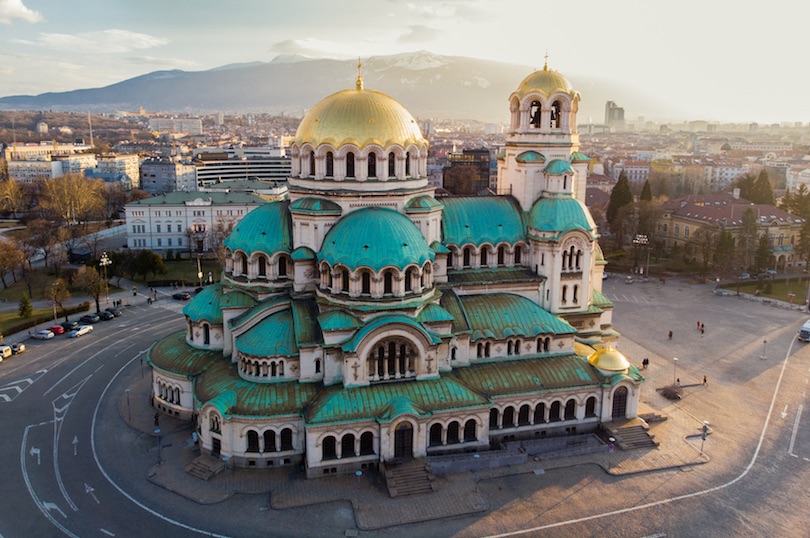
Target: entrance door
point(403, 440)
point(216, 446)
point(620, 403)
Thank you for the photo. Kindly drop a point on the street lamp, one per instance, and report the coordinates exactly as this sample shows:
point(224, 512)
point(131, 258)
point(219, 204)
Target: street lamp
point(642, 240)
point(674, 369)
point(53, 299)
point(129, 411)
point(611, 447)
point(104, 262)
point(160, 449)
point(764, 350)
point(704, 434)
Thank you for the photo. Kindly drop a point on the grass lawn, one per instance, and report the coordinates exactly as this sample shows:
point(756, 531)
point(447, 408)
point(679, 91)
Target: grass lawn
point(186, 271)
point(12, 319)
point(779, 289)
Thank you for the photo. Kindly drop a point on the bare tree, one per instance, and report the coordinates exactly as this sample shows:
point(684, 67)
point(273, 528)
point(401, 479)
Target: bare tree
point(90, 281)
point(10, 258)
point(59, 293)
point(72, 198)
point(221, 230)
point(12, 196)
point(42, 234)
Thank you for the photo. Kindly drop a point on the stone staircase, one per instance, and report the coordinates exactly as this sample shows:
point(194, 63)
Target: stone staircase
point(408, 478)
point(204, 467)
point(630, 437)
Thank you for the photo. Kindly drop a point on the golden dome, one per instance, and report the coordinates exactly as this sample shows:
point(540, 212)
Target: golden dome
point(361, 117)
point(545, 81)
point(609, 360)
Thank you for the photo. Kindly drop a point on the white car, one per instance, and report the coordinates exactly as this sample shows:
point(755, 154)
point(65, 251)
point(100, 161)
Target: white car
point(17, 348)
point(44, 334)
point(80, 330)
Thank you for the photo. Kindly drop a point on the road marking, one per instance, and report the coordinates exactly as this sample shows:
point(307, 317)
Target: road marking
point(784, 412)
point(677, 498)
point(126, 348)
point(53, 506)
point(89, 489)
point(105, 531)
point(75, 444)
point(36, 452)
point(59, 417)
point(795, 430)
point(16, 388)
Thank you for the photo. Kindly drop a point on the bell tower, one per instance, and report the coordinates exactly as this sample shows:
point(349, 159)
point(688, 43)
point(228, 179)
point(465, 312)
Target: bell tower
point(541, 156)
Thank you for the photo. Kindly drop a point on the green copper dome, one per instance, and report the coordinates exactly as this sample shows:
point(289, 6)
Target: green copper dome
point(375, 237)
point(265, 229)
point(558, 167)
point(313, 204)
point(560, 215)
point(205, 305)
point(484, 219)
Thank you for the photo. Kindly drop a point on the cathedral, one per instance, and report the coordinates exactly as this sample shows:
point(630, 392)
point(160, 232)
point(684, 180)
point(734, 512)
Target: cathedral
point(362, 320)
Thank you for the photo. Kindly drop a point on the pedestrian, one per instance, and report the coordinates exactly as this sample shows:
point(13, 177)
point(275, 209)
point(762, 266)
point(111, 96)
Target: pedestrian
point(157, 419)
point(698, 325)
point(702, 326)
point(701, 331)
point(678, 381)
point(670, 335)
point(705, 381)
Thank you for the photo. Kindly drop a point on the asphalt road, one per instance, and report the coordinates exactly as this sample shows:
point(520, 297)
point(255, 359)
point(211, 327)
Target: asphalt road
point(60, 397)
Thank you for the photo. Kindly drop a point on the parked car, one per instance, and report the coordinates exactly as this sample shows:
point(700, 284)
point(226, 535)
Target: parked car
point(744, 276)
point(628, 280)
point(5, 352)
point(90, 318)
point(17, 348)
point(115, 311)
point(605, 275)
point(44, 334)
point(722, 293)
point(69, 325)
point(106, 315)
point(80, 330)
point(181, 296)
point(771, 272)
point(56, 329)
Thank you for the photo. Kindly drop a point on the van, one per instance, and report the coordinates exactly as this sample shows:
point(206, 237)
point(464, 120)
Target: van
point(5, 352)
point(804, 332)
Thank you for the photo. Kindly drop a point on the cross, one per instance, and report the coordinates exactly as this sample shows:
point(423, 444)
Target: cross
point(355, 366)
point(545, 65)
point(429, 360)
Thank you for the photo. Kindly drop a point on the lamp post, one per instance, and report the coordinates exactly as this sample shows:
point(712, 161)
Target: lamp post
point(674, 369)
point(53, 299)
point(129, 411)
point(641, 240)
point(704, 434)
point(104, 262)
point(611, 447)
point(160, 449)
point(764, 350)
point(358, 474)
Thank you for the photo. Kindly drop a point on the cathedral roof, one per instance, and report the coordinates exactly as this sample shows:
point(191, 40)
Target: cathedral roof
point(173, 354)
point(484, 219)
point(265, 229)
point(560, 215)
point(558, 167)
point(530, 156)
point(609, 360)
point(271, 337)
point(422, 203)
point(314, 204)
point(360, 117)
point(375, 237)
point(501, 315)
point(545, 81)
point(205, 305)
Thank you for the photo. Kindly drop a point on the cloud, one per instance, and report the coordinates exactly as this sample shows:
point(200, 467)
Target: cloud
point(419, 34)
point(15, 9)
point(104, 41)
point(313, 48)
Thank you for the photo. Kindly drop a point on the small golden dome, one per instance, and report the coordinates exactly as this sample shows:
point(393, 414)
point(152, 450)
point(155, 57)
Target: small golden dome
point(609, 360)
point(361, 117)
point(545, 81)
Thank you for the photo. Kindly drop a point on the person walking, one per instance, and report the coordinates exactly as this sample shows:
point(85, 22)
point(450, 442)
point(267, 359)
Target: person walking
point(670, 335)
point(705, 381)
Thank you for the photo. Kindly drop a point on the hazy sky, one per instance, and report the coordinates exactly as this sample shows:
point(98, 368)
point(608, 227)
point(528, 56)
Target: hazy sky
point(724, 60)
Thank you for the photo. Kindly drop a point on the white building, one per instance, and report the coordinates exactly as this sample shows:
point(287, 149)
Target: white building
point(161, 176)
point(126, 164)
point(184, 221)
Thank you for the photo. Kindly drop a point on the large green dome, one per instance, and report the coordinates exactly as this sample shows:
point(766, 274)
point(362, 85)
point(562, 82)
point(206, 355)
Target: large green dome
point(375, 237)
point(265, 229)
point(560, 215)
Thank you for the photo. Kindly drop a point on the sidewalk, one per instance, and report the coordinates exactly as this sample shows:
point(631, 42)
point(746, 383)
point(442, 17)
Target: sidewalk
point(458, 494)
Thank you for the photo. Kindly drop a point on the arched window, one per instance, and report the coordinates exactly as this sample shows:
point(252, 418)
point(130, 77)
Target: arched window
point(252, 441)
point(312, 164)
point(480, 350)
point(509, 417)
point(317, 366)
point(686, 232)
point(409, 279)
point(344, 280)
point(286, 439)
point(486, 349)
point(392, 165)
point(470, 431)
point(565, 260)
point(466, 255)
point(547, 343)
point(576, 293)
point(579, 260)
point(215, 424)
point(590, 407)
point(554, 412)
point(564, 294)
point(570, 410)
point(372, 165)
point(282, 266)
point(523, 415)
point(501, 255)
point(518, 255)
point(269, 441)
point(347, 446)
point(435, 435)
point(453, 351)
point(330, 164)
point(408, 164)
point(350, 164)
point(555, 115)
point(244, 264)
point(517, 347)
point(393, 358)
point(509, 347)
point(483, 257)
point(534, 114)
point(366, 444)
point(388, 283)
point(493, 419)
point(540, 413)
point(329, 448)
point(453, 433)
point(366, 281)
point(206, 334)
point(262, 266)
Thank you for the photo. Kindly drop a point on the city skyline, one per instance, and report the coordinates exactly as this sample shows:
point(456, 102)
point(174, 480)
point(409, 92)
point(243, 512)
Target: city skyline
point(701, 58)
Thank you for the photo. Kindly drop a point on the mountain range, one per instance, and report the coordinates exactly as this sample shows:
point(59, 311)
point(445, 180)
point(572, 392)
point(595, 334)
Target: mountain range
point(428, 85)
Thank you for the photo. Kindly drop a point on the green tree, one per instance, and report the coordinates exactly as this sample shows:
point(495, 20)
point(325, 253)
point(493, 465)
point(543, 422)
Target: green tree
point(646, 192)
point(620, 197)
point(762, 191)
point(745, 183)
point(764, 254)
point(803, 248)
point(748, 238)
point(25, 307)
point(147, 262)
point(724, 252)
point(797, 203)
